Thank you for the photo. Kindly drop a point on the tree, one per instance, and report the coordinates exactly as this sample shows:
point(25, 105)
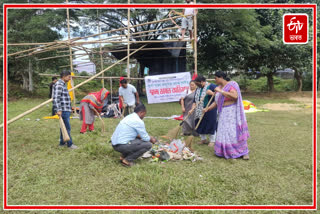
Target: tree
point(41, 25)
point(228, 38)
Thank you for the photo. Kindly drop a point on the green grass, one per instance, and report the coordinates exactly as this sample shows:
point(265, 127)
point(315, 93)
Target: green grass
point(278, 172)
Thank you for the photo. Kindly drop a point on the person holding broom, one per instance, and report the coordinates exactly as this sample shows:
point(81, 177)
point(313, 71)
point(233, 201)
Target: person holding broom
point(186, 105)
point(91, 105)
point(62, 105)
point(208, 124)
point(233, 133)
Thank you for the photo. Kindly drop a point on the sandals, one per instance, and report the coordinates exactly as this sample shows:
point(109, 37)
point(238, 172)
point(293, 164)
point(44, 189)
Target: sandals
point(245, 157)
point(128, 164)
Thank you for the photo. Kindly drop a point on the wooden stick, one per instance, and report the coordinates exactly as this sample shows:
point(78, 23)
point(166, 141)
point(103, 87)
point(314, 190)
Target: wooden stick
point(155, 34)
point(102, 122)
point(135, 42)
point(96, 75)
point(195, 41)
point(204, 113)
point(119, 29)
point(64, 131)
point(43, 51)
point(101, 60)
point(19, 52)
point(87, 77)
point(65, 66)
point(28, 44)
point(128, 45)
point(137, 33)
point(111, 88)
point(77, 86)
point(54, 57)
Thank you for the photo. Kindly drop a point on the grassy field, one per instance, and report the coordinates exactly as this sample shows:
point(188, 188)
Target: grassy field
point(278, 172)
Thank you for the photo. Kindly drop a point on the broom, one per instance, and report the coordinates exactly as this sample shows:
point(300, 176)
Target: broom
point(173, 133)
point(123, 109)
point(102, 123)
point(189, 140)
point(65, 134)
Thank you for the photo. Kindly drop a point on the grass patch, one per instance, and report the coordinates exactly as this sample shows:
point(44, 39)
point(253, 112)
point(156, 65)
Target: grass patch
point(39, 172)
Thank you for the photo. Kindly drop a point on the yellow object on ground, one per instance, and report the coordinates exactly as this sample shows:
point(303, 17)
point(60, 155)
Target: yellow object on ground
point(53, 117)
point(69, 86)
point(249, 107)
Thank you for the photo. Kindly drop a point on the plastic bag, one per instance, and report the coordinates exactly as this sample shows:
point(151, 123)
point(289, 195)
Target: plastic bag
point(176, 146)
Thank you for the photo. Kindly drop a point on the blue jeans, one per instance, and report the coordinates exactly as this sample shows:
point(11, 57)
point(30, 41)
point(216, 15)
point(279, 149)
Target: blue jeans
point(66, 119)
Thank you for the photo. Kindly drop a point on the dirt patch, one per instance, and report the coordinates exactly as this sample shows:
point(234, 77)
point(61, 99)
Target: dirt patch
point(303, 100)
point(282, 107)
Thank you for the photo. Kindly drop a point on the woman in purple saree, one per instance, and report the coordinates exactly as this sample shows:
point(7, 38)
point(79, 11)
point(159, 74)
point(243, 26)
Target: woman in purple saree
point(232, 132)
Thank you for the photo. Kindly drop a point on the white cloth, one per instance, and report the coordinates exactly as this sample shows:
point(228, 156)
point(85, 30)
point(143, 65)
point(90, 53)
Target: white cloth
point(189, 11)
point(128, 94)
point(128, 129)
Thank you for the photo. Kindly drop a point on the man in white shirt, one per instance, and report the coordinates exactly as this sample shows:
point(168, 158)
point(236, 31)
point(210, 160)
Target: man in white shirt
point(129, 96)
point(131, 138)
point(187, 22)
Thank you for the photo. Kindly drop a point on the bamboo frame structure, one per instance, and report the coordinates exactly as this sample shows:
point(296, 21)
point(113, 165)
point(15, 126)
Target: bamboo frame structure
point(79, 45)
point(72, 89)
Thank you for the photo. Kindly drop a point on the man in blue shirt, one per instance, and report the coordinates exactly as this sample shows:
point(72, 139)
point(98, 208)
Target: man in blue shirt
point(131, 138)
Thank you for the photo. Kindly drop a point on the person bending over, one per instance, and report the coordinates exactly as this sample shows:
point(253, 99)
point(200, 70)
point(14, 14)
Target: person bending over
point(131, 138)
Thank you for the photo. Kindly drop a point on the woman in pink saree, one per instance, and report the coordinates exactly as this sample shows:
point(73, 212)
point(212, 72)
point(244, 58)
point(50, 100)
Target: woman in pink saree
point(232, 132)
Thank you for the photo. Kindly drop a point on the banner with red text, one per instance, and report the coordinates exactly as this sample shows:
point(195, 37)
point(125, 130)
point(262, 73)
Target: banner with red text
point(167, 87)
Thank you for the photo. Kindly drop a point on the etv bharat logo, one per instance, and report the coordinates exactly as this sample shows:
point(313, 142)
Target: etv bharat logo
point(295, 28)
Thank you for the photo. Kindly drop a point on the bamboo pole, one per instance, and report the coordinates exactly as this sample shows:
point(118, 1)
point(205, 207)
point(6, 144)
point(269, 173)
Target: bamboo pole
point(119, 29)
point(137, 33)
point(77, 86)
point(101, 60)
point(148, 49)
point(96, 75)
point(124, 28)
point(19, 52)
point(29, 44)
point(195, 40)
point(128, 45)
point(71, 61)
point(111, 88)
point(43, 51)
point(54, 57)
point(155, 34)
point(135, 42)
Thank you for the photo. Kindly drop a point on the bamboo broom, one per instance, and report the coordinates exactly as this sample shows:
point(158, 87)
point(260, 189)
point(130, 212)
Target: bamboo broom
point(65, 134)
point(189, 140)
point(173, 133)
point(102, 122)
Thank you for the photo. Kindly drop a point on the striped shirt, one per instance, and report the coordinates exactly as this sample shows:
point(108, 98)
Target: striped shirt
point(61, 97)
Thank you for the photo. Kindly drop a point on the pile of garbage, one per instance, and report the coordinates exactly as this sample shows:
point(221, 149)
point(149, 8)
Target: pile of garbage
point(175, 150)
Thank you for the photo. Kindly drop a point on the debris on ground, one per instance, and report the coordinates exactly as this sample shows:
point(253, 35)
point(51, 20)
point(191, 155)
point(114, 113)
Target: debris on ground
point(174, 150)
